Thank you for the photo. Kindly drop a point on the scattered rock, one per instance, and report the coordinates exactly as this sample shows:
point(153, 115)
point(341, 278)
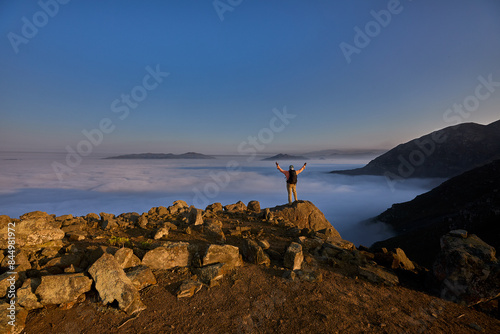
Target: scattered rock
point(177, 207)
point(195, 216)
point(34, 229)
point(293, 256)
point(59, 289)
point(17, 315)
point(6, 281)
point(228, 255)
point(188, 288)
point(173, 254)
point(210, 274)
point(253, 206)
point(254, 253)
point(143, 221)
point(26, 297)
point(161, 233)
point(237, 207)
point(113, 284)
point(141, 277)
point(466, 269)
point(214, 233)
point(215, 207)
point(64, 261)
point(126, 258)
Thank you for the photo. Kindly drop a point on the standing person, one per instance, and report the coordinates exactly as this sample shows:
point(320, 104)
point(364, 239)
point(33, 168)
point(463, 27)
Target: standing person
point(291, 180)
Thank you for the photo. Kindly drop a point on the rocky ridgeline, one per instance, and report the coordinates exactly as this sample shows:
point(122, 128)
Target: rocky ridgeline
point(63, 260)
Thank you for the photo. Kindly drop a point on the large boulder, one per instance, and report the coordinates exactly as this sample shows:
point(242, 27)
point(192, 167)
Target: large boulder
point(113, 284)
point(34, 229)
point(228, 255)
point(467, 269)
point(59, 289)
point(173, 254)
point(304, 214)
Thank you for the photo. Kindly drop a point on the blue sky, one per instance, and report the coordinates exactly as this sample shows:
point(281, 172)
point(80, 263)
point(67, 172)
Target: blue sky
point(227, 76)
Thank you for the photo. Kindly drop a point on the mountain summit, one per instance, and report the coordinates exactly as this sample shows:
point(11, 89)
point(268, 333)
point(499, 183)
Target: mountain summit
point(444, 153)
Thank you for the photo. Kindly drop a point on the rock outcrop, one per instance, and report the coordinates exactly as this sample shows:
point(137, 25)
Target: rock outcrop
point(467, 269)
point(304, 214)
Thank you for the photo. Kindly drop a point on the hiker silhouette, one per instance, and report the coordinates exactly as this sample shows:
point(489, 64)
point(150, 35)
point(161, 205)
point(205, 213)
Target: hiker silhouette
point(291, 180)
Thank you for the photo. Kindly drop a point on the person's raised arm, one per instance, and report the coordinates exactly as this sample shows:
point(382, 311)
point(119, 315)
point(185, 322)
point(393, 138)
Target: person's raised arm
point(279, 168)
point(303, 167)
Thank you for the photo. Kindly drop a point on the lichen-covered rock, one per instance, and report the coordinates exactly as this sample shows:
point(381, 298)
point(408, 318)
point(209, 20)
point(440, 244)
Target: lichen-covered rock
point(113, 284)
point(141, 276)
point(126, 258)
point(173, 254)
point(214, 233)
point(26, 297)
point(237, 207)
point(34, 228)
point(304, 214)
point(228, 255)
point(59, 289)
point(293, 256)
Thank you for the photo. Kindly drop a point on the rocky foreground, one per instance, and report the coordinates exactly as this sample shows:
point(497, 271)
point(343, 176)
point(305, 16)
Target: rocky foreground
point(235, 269)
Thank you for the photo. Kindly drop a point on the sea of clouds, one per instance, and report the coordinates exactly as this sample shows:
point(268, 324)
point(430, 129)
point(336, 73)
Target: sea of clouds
point(29, 183)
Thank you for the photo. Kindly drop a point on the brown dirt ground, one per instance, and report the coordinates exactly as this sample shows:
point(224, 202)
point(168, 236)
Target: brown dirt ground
point(256, 299)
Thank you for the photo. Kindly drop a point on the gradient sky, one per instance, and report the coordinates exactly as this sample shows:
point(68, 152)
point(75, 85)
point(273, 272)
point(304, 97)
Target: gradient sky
point(226, 76)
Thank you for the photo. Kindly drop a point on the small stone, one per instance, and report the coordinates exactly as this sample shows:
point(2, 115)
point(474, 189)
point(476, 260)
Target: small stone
point(253, 206)
point(126, 258)
point(188, 288)
point(459, 233)
point(161, 233)
point(141, 276)
point(293, 256)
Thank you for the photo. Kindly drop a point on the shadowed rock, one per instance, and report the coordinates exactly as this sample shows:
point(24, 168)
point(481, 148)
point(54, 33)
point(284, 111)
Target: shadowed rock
point(113, 284)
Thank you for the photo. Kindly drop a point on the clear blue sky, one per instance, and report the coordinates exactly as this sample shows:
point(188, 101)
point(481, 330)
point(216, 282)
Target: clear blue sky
point(226, 76)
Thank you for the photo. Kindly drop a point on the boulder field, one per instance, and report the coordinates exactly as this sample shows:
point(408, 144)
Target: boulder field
point(112, 261)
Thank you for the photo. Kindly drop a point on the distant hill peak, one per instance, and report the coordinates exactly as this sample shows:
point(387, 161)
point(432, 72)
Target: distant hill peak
point(443, 153)
point(282, 156)
point(188, 155)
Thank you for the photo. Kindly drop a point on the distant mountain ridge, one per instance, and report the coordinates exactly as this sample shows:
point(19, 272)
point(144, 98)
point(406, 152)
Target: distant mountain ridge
point(443, 153)
point(188, 155)
point(282, 156)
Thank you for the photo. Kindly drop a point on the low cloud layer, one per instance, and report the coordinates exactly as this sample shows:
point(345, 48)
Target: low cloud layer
point(28, 183)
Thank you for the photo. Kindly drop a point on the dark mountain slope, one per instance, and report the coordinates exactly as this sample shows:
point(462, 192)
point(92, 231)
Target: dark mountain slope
point(470, 201)
point(444, 153)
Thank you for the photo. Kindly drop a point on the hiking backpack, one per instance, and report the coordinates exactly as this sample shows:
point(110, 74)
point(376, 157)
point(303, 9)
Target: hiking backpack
point(292, 178)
